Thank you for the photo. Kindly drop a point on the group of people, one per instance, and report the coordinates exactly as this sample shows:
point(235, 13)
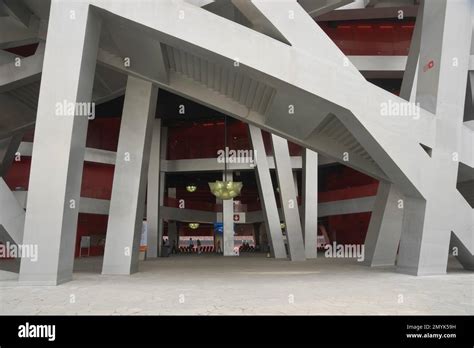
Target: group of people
point(169, 249)
point(246, 247)
point(190, 248)
point(199, 246)
point(173, 249)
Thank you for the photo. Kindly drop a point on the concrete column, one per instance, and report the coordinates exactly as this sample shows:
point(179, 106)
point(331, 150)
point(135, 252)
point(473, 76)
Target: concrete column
point(173, 233)
point(153, 193)
point(8, 149)
point(469, 104)
point(58, 152)
point(295, 182)
point(408, 88)
point(289, 203)
point(310, 203)
point(267, 195)
point(228, 220)
point(127, 204)
point(172, 225)
point(463, 254)
point(12, 216)
point(219, 219)
point(163, 150)
point(441, 87)
point(385, 228)
point(256, 233)
point(264, 240)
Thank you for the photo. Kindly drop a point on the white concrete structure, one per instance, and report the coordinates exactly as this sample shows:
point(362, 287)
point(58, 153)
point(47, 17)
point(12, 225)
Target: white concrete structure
point(127, 205)
point(272, 67)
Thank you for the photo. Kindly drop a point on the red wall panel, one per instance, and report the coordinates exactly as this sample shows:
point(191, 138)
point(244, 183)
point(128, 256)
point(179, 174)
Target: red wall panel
point(19, 173)
point(91, 225)
point(97, 180)
point(371, 37)
point(103, 133)
point(350, 228)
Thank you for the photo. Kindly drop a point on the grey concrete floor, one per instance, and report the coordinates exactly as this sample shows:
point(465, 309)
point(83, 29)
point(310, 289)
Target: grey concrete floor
point(249, 284)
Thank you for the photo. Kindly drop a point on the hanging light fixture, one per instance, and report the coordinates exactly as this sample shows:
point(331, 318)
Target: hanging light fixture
point(226, 189)
point(191, 188)
point(193, 225)
point(282, 225)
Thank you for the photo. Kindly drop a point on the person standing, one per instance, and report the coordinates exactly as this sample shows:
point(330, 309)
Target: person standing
point(191, 245)
point(166, 247)
point(199, 246)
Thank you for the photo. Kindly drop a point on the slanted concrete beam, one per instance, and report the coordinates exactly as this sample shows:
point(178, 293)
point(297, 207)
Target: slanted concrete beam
point(267, 195)
point(444, 63)
point(228, 220)
point(318, 8)
point(12, 216)
point(17, 10)
point(58, 178)
point(153, 193)
point(385, 228)
point(289, 203)
point(310, 203)
point(127, 205)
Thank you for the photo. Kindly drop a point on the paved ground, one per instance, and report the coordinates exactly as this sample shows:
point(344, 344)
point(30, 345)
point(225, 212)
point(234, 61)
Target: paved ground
point(250, 284)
